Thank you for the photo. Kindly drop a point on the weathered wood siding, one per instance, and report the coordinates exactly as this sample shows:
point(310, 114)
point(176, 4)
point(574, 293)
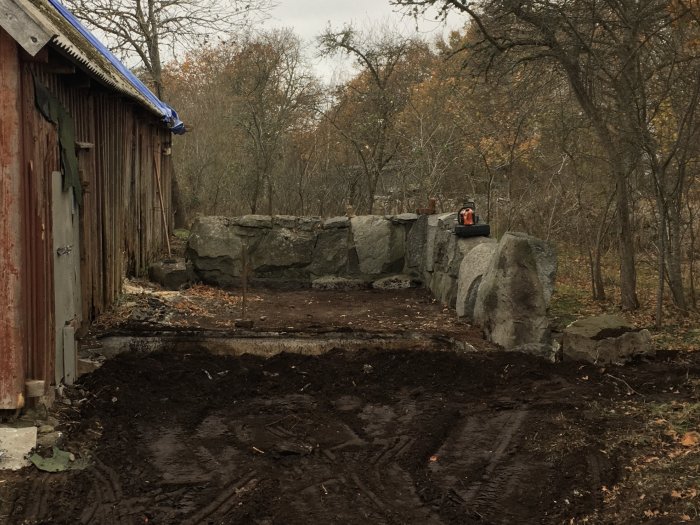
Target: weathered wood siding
point(121, 224)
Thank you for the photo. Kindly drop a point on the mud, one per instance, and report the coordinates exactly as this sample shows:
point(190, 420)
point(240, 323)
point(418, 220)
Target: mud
point(364, 437)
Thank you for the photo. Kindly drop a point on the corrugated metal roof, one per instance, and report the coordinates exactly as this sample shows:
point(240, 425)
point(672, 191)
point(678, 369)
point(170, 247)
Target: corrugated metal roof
point(70, 36)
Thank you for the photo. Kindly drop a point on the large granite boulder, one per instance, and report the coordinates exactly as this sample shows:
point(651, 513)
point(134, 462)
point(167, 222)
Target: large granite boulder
point(330, 254)
point(471, 270)
point(511, 303)
point(546, 261)
point(283, 248)
point(443, 287)
point(435, 237)
point(605, 339)
point(214, 237)
point(379, 244)
point(215, 250)
point(415, 246)
point(447, 252)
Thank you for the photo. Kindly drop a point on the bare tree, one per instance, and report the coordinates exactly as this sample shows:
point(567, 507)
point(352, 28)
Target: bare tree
point(386, 60)
point(148, 28)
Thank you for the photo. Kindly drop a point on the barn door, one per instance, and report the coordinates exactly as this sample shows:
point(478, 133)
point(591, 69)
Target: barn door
point(66, 244)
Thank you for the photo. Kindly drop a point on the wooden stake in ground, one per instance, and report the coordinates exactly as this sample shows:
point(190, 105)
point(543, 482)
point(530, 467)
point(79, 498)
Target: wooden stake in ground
point(244, 276)
point(156, 167)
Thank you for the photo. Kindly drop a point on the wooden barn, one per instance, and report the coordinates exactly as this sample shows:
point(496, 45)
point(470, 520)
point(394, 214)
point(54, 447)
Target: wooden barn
point(85, 178)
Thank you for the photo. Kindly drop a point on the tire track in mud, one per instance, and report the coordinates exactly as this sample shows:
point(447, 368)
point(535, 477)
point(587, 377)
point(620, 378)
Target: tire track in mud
point(599, 473)
point(226, 500)
point(107, 495)
point(36, 499)
point(477, 472)
point(489, 486)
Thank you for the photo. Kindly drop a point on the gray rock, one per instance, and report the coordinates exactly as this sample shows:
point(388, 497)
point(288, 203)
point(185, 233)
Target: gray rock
point(380, 246)
point(548, 351)
point(284, 221)
point(404, 218)
point(447, 221)
point(471, 271)
point(444, 244)
point(170, 274)
point(429, 253)
point(254, 221)
point(309, 224)
point(214, 237)
point(336, 222)
point(395, 282)
point(49, 440)
point(415, 245)
point(605, 339)
point(458, 248)
point(331, 282)
point(443, 287)
point(330, 254)
point(282, 248)
point(215, 250)
point(546, 259)
point(510, 304)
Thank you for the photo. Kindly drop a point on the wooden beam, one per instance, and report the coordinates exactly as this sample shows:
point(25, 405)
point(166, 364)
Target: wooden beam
point(18, 19)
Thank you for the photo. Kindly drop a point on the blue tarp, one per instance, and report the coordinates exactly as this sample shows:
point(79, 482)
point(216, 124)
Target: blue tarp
point(169, 114)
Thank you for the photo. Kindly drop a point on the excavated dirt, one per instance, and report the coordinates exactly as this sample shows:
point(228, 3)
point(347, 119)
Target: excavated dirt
point(146, 308)
point(367, 437)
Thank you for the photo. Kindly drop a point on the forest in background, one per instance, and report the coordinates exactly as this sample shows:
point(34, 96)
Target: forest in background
point(574, 120)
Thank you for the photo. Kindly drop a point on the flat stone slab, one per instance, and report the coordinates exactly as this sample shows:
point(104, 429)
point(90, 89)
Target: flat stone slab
point(336, 222)
point(171, 274)
point(15, 444)
point(605, 339)
point(600, 327)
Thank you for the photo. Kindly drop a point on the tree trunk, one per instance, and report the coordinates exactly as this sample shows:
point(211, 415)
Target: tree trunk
point(179, 212)
point(269, 194)
point(661, 265)
point(691, 253)
point(674, 256)
point(628, 273)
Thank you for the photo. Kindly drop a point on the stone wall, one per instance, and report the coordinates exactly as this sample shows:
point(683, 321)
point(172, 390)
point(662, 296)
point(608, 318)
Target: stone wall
point(505, 287)
point(298, 250)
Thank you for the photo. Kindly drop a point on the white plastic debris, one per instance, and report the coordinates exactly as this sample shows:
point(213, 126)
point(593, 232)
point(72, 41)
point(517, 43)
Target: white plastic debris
point(15, 445)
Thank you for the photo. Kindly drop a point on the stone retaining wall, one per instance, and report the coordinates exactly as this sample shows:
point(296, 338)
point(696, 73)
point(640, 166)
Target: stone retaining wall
point(504, 286)
point(298, 250)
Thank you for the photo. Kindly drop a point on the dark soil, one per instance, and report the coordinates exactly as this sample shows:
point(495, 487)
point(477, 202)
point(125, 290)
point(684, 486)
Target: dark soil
point(357, 438)
point(290, 311)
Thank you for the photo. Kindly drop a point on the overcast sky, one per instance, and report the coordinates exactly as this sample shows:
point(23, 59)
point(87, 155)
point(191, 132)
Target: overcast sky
point(309, 18)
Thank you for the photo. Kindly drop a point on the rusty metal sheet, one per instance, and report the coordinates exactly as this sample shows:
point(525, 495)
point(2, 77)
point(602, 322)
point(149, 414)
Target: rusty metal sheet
point(12, 350)
point(120, 224)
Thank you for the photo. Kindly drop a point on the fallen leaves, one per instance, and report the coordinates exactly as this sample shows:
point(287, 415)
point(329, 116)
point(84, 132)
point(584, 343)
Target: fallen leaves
point(690, 439)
